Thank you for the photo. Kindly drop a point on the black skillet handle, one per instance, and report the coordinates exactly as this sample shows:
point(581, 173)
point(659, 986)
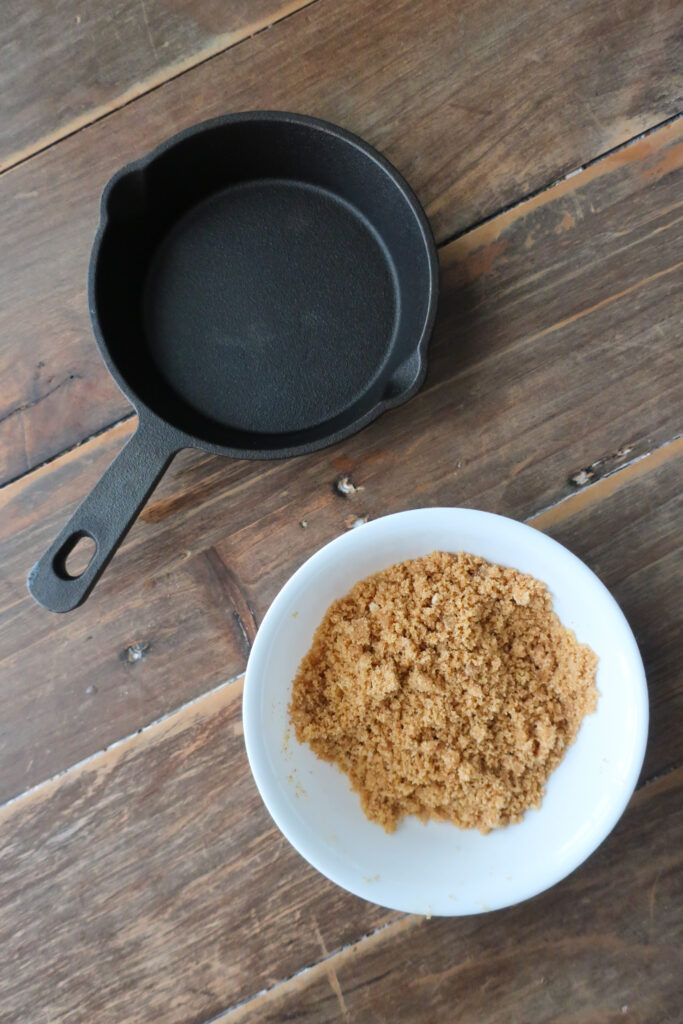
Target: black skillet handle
point(105, 516)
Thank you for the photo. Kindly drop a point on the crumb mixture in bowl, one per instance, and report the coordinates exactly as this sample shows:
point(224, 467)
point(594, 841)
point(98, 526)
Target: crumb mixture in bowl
point(444, 687)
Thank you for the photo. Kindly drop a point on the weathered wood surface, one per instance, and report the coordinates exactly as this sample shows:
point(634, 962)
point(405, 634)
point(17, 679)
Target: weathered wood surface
point(627, 528)
point(148, 883)
point(479, 105)
point(603, 947)
point(151, 885)
point(556, 349)
point(67, 63)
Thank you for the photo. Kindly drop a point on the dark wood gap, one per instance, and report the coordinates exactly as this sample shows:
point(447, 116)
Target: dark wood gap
point(610, 474)
point(558, 181)
point(71, 448)
point(659, 775)
point(303, 970)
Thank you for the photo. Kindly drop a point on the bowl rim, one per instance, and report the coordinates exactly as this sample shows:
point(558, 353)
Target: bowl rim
point(273, 621)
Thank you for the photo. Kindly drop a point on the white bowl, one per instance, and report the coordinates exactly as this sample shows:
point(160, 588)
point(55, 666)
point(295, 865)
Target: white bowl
point(437, 868)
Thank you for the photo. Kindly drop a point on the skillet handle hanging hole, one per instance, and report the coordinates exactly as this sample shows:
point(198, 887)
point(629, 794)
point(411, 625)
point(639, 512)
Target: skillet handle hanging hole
point(75, 555)
point(63, 578)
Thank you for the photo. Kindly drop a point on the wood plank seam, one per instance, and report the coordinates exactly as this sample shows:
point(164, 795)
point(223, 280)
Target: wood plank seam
point(300, 979)
point(322, 966)
point(235, 681)
point(503, 212)
point(558, 326)
point(522, 343)
point(70, 448)
point(535, 193)
point(678, 763)
point(606, 484)
point(553, 514)
point(10, 805)
point(130, 95)
point(24, 479)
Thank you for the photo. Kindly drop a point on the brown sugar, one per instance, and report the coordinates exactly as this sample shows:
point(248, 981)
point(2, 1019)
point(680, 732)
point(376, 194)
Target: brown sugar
point(444, 687)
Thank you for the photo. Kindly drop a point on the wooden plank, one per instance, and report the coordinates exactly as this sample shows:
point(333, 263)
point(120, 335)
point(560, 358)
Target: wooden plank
point(150, 884)
point(182, 624)
point(605, 945)
point(66, 64)
point(478, 106)
point(643, 568)
point(493, 428)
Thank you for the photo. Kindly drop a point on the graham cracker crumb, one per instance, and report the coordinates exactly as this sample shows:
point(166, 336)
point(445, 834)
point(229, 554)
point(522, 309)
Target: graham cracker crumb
point(444, 687)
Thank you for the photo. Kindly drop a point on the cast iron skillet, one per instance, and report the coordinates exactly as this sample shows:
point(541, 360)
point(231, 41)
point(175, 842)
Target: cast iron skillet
point(260, 286)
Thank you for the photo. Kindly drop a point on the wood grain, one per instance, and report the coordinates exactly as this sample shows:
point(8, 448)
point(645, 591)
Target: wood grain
point(602, 947)
point(150, 884)
point(478, 105)
point(88, 688)
point(67, 63)
point(551, 355)
point(637, 553)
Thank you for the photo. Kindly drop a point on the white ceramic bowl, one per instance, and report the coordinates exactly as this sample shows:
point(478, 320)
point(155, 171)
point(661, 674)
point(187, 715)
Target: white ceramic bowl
point(438, 868)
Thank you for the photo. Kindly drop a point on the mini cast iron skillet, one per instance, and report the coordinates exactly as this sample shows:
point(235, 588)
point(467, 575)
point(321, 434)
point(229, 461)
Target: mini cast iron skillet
point(260, 286)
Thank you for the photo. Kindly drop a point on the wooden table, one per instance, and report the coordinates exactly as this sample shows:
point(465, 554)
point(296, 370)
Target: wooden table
point(140, 877)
